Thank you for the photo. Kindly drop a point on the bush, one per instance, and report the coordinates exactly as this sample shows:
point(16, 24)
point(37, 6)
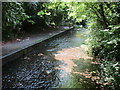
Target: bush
point(13, 15)
point(106, 43)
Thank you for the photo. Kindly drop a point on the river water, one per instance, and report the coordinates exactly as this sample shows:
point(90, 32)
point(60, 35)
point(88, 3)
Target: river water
point(58, 63)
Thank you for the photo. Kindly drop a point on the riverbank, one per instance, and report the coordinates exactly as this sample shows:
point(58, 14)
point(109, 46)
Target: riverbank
point(11, 46)
point(17, 48)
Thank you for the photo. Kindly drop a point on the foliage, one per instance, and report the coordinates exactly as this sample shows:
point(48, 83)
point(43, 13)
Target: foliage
point(102, 19)
point(25, 16)
point(105, 28)
point(13, 15)
point(78, 11)
point(106, 43)
point(102, 13)
point(32, 8)
point(109, 73)
point(53, 13)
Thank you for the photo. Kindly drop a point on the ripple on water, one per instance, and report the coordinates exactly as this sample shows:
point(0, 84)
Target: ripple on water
point(48, 66)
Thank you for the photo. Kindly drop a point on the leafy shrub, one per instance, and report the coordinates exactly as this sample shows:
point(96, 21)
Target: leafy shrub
point(13, 15)
point(106, 43)
point(109, 73)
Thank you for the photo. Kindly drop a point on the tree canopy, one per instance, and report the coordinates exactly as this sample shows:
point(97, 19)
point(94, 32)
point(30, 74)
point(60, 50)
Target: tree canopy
point(98, 16)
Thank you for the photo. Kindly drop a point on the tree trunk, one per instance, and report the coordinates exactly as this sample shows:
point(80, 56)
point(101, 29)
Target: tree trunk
point(105, 22)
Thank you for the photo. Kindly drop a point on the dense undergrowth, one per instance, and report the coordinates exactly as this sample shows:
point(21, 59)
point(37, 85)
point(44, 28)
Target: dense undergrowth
point(29, 17)
point(104, 46)
point(109, 71)
point(106, 43)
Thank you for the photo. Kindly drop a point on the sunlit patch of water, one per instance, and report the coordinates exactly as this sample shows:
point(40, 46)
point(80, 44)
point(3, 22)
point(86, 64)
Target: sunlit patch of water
point(68, 54)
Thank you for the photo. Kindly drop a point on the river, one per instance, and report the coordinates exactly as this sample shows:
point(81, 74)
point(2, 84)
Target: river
point(58, 63)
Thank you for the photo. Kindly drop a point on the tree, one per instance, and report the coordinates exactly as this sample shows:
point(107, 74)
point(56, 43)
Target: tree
point(13, 15)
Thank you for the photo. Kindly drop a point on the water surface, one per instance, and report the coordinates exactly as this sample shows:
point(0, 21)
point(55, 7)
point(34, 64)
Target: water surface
point(59, 63)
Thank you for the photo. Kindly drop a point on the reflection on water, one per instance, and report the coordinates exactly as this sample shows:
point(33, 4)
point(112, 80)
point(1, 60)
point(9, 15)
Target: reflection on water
point(54, 64)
